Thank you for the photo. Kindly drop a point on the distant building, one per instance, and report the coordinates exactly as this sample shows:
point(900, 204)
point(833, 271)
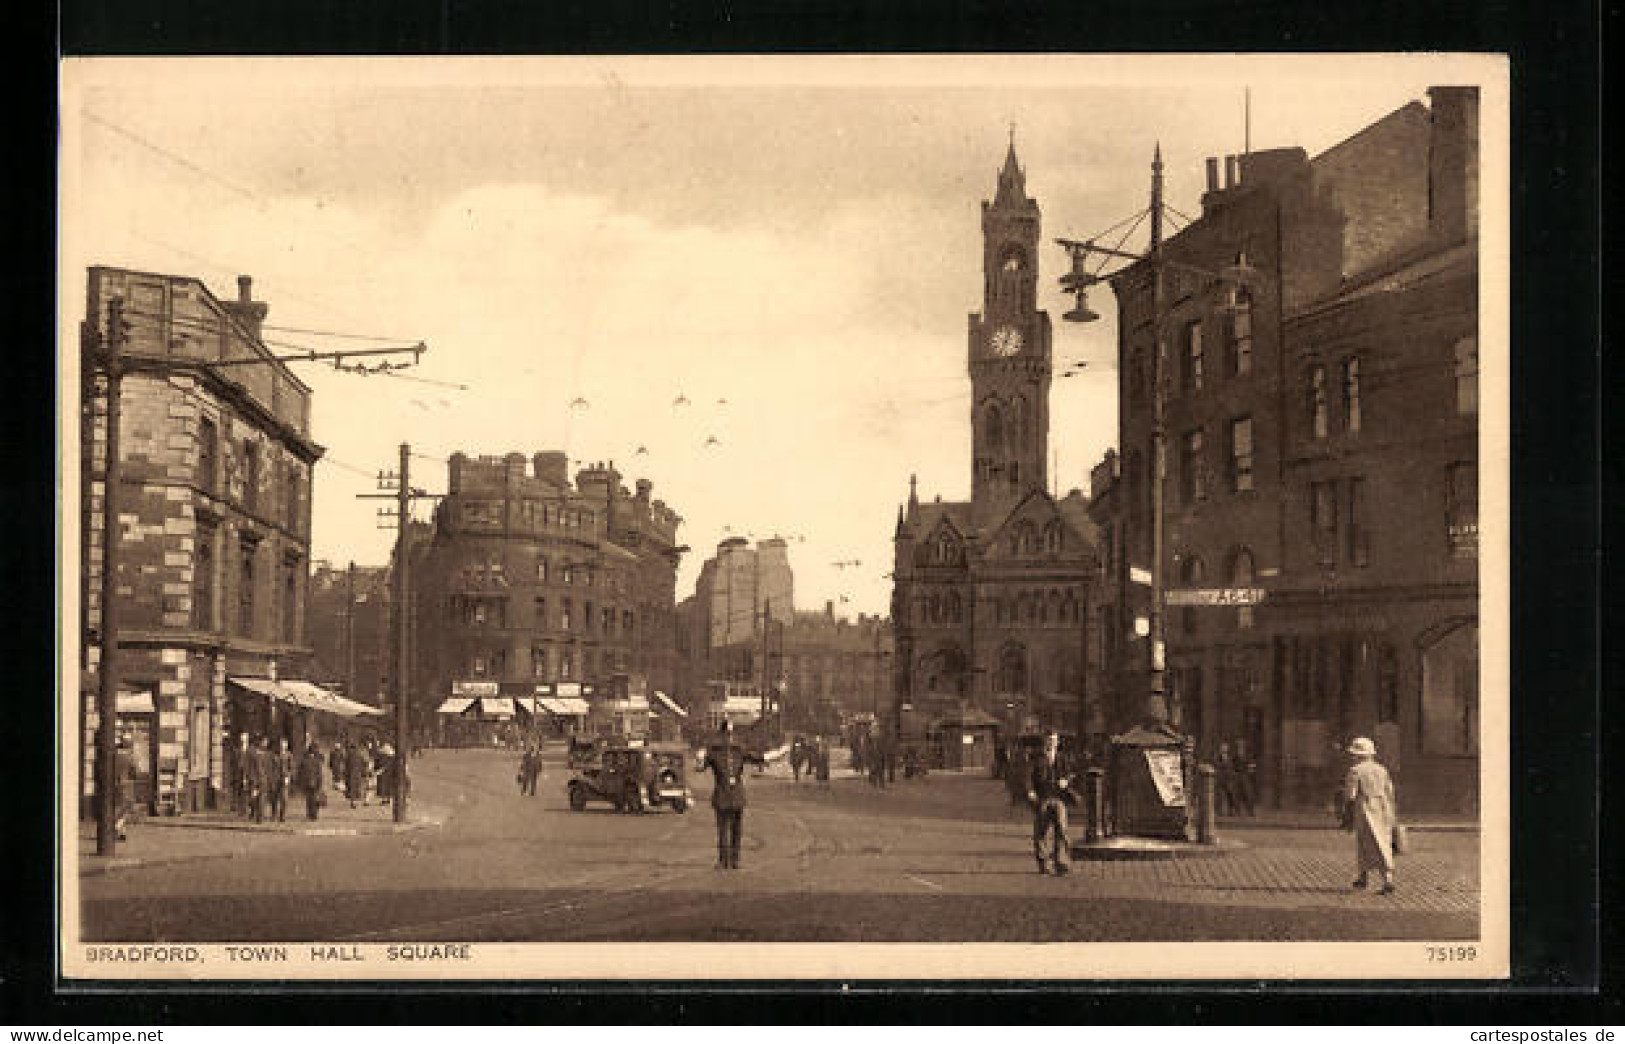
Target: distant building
point(348, 624)
point(739, 590)
point(833, 666)
point(526, 579)
point(214, 543)
point(1322, 446)
point(991, 596)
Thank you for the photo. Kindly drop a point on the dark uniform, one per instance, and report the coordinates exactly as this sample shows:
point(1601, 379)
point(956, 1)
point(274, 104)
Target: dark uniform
point(530, 767)
point(310, 781)
point(281, 778)
point(1050, 792)
point(726, 760)
point(262, 768)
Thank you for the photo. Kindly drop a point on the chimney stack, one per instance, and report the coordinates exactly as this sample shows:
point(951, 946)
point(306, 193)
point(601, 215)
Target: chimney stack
point(1213, 173)
point(1230, 178)
point(249, 312)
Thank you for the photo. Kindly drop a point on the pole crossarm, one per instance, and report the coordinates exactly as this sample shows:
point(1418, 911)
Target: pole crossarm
point(1088, 248)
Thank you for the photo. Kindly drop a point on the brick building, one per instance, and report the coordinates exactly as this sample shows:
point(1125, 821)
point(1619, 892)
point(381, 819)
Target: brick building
point(720, 625)
point(1322, 446)
point(833, 666)
point(990, 596)
point(525, 578)
point(214, 543)
point(347, 624)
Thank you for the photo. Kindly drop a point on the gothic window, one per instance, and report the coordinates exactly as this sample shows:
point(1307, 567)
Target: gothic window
point(1011, 676)
point(955, 609)
point(1057, 609)
point(1323, 518)
point(1053, 540)
point(1020, 423)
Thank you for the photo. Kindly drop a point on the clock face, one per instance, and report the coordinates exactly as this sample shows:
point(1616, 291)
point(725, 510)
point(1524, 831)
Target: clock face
point(1006, 341)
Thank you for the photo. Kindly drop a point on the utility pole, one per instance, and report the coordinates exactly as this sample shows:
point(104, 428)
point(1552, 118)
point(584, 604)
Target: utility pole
point(1159, 445)
point(403, 510)
point(107, 781)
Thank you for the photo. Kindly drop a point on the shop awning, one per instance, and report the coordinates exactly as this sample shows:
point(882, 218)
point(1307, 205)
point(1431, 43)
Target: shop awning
point(525, 703)
point(563, 706)
point(314, 697)
point(497, 706)
point(261, 687)
point(669, 704)
point(455, 705)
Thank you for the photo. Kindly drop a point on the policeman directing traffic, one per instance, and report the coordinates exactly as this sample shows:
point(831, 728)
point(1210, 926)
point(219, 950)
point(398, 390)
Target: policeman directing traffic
point(1049, 792)
point(726, 760)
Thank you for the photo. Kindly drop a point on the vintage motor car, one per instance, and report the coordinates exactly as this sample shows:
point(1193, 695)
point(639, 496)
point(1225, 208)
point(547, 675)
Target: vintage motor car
point(633, 779)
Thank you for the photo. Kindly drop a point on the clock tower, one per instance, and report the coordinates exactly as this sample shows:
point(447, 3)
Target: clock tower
point(1009, 351)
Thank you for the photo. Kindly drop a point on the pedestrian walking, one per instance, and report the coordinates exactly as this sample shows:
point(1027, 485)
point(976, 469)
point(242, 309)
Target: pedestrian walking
point(1224, 771)
point(1049, 792)
point(798, 758)
point(1368, 811)
point(281, 780)
point(262, 767)
point(384, 773)
point(1246, 776)
point(821, 761)
point(242, 776)
point(530, 767)
point(123, 785)
point(726, 761)
point(309, 780)
point(336, 761)
point(357, 767)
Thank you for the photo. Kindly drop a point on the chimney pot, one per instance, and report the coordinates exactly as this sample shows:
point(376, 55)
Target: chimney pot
point(245, 289)
point(1213, 173)
point(1229, 172)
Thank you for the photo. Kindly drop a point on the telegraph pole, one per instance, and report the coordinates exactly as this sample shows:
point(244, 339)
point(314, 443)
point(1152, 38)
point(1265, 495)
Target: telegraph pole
point(107, 781)
point(1159, 446)
point(403, 510)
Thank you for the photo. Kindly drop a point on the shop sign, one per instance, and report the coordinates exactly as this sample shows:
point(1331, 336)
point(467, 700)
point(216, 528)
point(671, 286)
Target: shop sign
point(1167, 774)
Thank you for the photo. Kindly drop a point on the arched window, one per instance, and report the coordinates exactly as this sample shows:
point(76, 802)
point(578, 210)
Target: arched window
point(1020, 435)
point(1011, 676)
point(946, 552)
point(955, 607)
point(1053, 539)
point(1057, 610)
point(1242, 575)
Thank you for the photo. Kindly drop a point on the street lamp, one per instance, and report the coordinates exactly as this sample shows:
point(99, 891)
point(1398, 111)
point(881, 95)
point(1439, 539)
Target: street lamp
point(1233, 278)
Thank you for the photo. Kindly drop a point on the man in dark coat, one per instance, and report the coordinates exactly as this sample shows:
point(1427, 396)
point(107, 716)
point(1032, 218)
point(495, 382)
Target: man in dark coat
point(281, 779)
point(309, 780)
point(530, 767)
point(357, 769)
point(124, 779)
point(726, 761)
point(262, 769)
point(336, 761)
point(1049, 792)
point(242, 775)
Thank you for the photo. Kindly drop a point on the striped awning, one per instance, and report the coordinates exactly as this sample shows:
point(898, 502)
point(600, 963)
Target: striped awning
point(497, 706)
point(455, 705)
point(563, 706)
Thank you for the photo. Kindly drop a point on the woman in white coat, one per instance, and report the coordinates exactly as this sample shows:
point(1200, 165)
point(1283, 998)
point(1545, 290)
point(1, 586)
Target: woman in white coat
point(1369, 797)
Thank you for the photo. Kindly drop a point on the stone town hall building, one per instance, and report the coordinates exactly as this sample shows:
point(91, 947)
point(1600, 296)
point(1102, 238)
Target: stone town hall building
point(990, 597)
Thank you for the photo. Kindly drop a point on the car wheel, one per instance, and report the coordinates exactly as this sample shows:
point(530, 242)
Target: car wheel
point(578, 799)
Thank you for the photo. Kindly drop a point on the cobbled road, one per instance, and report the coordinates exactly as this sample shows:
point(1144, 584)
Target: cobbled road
point(943, 859)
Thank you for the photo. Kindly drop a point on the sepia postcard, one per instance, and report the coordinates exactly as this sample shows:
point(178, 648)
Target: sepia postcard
point(848, 518)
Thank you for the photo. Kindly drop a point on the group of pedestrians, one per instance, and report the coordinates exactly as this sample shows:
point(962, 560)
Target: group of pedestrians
point(264, 778)
point(874, 755)
point(810, 756)
point(1236, 775)
point(362, 768)
point(530, 770)
point(262, 775)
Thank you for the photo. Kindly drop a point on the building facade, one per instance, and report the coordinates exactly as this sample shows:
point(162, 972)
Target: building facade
point(990, 596)
point(214, 540)
point(741, 594)
point(833, 667)
point(526, 578)
point(1322, 448)
point(348, 626)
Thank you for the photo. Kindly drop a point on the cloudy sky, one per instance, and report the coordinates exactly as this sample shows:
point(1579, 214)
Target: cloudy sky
point(790, 245)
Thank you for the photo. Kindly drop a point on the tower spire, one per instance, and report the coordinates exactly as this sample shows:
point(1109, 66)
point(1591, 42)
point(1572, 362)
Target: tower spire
point(1012, 180)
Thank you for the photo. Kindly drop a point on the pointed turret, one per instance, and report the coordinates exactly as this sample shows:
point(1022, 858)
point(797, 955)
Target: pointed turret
point(1012, 181)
